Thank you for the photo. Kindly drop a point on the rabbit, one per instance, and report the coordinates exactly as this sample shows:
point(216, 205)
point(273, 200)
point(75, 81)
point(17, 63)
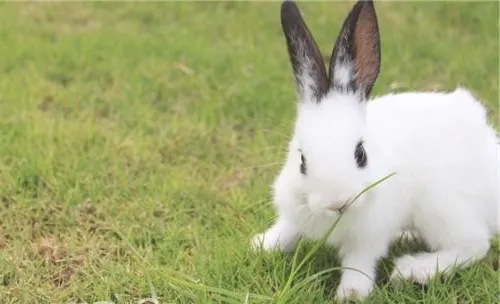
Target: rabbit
point(439, 147)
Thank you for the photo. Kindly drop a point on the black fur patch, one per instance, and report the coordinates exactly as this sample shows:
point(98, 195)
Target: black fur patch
point(304, 53)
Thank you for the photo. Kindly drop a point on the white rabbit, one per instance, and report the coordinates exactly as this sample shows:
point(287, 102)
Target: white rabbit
point(444, 155)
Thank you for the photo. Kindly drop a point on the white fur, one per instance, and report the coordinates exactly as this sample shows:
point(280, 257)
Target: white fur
point(343, 73)
point(447, 163)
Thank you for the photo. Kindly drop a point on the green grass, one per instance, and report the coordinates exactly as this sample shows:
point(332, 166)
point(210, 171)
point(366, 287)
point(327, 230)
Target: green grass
point(138, 142)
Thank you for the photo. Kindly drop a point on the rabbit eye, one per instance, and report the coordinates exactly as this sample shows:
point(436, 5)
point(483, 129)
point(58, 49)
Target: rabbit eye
point(360, 155)
point(303, 168)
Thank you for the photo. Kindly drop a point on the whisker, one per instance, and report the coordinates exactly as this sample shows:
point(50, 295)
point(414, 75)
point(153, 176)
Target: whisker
point(271, 148)
point(263, 165)
point(272, 151)
point(278, 132)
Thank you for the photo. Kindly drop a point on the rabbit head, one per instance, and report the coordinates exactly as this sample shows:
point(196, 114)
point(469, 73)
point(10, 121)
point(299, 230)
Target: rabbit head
point(331, 148)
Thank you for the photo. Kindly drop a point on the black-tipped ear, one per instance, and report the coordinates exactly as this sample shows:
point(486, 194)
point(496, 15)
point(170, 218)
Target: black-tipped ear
point(355, 60)
point(305, 56)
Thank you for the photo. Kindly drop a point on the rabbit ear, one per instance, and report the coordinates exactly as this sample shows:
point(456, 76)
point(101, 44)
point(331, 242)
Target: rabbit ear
point(355, 60)
point(307, 61)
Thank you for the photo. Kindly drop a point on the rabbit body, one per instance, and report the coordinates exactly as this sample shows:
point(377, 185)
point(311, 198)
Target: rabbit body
point(446, 159)
point(445, 156)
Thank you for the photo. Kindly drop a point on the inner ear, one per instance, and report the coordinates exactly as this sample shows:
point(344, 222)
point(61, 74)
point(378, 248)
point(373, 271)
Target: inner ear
point(355, 60)
point(367, 49)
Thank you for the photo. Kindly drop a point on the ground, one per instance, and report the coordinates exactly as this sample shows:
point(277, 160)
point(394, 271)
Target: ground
point(139, 140)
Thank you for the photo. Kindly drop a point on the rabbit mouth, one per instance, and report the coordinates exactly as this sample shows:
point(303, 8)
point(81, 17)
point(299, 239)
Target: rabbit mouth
point(340, 209)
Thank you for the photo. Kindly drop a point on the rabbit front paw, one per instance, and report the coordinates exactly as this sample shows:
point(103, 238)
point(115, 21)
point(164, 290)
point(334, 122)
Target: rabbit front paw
point(354, 290)
point(280, 237)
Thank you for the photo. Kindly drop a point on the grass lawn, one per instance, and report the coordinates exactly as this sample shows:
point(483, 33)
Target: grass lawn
point(138, 142)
